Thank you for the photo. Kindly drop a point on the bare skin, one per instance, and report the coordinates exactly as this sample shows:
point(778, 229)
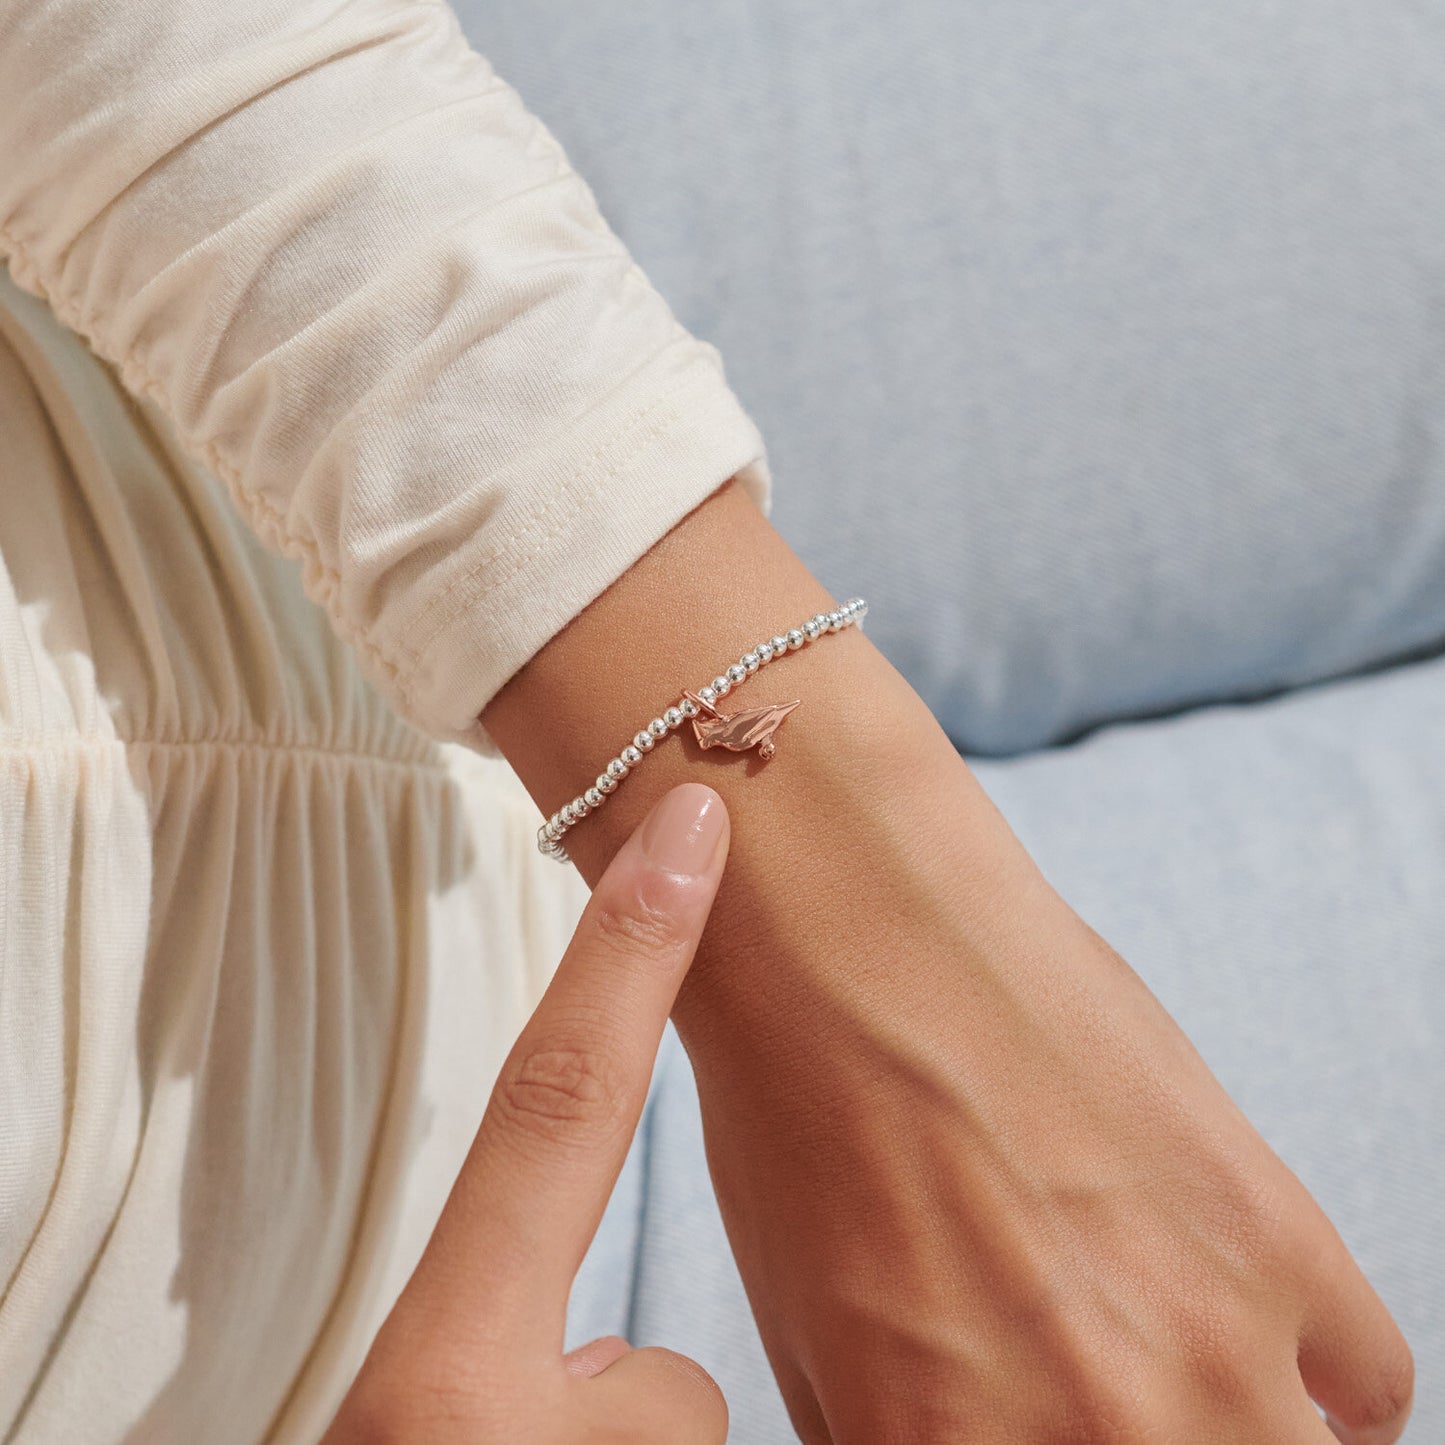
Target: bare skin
point(472, 1349)
point(979, 1185)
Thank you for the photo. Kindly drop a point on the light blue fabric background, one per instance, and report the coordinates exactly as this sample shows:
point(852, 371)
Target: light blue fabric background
point(1101, 346)
point(1103, 349)
point(1274, 873)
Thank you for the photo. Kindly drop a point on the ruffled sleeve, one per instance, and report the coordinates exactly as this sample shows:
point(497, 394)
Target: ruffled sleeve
point(371, 294)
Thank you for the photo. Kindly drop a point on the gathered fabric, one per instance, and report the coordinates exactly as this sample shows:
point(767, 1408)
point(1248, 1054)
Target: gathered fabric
point(327, 397)
point(371, 294)
point(262, 943)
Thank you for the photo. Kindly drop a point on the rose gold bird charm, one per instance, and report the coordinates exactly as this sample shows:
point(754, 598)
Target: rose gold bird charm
point(739, 731)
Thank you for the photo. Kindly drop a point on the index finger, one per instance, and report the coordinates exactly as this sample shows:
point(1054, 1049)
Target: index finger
point(566, 1103)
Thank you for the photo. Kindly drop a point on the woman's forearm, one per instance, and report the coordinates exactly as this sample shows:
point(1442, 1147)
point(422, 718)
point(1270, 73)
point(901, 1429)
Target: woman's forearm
point(977, 1182)
point(865, 789)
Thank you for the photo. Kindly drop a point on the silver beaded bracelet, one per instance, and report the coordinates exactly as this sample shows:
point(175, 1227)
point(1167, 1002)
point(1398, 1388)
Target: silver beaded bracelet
point(736, 731)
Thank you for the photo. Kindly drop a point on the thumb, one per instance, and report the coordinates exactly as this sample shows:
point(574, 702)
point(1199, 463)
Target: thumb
point(660, 1395)
point(532, 1190)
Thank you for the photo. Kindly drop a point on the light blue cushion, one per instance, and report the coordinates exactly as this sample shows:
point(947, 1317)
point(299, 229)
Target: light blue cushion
point(1102, 347)
point(1274, 873)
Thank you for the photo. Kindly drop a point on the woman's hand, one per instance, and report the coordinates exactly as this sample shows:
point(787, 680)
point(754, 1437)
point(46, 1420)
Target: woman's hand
point(472, 1351)
point(994, 1194)
point(980, 1187)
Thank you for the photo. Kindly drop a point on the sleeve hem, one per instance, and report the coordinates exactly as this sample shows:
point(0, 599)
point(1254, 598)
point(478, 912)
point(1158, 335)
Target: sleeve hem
point(640, 486)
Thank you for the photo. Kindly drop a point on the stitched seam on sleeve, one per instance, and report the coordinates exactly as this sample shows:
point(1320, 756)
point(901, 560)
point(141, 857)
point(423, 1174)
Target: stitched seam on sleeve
point(320, 580)
point(560, 511)
point(560, 517)
point(413, 652)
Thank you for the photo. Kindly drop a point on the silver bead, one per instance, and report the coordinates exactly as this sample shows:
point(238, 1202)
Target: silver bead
point(673, 717)
point(764, 651)
point(617, 768)
point(605, 783)
point(835, 620)
point(811, 629)
point(795, 638)
point(780, 645)
point(737, 672)
point(707, 694)
point(568, 815)
point(751, 662)
point(721, 686)
point(594, 797)
point(631, 755)
point(657, 728)
point(689, 707)
point(644, 741)
point(579, 806)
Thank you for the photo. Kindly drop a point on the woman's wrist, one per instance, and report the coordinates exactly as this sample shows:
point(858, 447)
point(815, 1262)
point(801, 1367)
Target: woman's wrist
point(862, 768)
point(952, 1134)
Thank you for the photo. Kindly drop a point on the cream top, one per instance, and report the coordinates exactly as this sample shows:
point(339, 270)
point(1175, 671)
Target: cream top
point(370, 293)
point(263, 944)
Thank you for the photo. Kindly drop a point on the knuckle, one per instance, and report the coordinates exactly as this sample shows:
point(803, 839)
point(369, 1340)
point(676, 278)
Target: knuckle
point(1391, 1394)
point(647, 923)
point(1233, 1385)
point(1215, 1339)
point(1252, 1215)
point(560, 1092)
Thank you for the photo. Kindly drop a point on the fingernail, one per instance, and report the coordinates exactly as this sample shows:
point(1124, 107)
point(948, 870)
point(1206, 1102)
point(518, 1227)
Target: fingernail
point(682, 832)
